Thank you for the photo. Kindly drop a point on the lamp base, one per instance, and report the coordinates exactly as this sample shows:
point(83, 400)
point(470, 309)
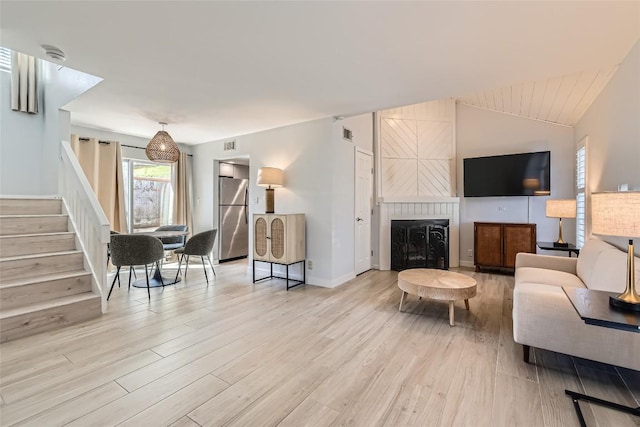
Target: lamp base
point(561, 244)
point(269, 201)
point(621, 304)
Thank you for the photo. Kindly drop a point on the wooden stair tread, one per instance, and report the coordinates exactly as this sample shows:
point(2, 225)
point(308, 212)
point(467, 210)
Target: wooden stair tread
point(43, 255)
point(33, 216)
point(50, 234)
point(44, 278)
point(58, 302)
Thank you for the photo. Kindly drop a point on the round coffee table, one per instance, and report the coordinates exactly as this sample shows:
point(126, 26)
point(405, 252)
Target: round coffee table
point(442, 285)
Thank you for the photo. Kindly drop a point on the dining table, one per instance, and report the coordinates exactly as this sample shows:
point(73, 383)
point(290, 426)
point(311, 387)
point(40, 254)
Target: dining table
point(158, 279)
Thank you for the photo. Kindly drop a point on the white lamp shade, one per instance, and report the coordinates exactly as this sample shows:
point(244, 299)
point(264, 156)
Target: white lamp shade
point(561, 208)
point(270, 177)
point(616, 213)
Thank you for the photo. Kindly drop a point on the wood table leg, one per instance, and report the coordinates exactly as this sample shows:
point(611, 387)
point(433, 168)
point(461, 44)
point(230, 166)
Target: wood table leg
point(466, 304)
point(451, 313)
point(402, 300)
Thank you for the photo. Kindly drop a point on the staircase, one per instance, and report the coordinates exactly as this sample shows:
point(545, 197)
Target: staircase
point(43, 281)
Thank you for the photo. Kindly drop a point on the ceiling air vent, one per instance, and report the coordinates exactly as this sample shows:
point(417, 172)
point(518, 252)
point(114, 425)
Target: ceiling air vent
point(347, 134)
point(230, 146)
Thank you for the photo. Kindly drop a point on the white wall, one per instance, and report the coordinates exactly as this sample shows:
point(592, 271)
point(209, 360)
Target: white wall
point(612, 124)
point(127, 152)
point(30, 144)
point(484, 133)
point(303, 152)
point(21, 140)
point(343, 194)
point(318, 181)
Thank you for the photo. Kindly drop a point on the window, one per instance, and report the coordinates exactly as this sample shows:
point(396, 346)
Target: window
point(5, 59)
point(148, 194)
point(581, 187)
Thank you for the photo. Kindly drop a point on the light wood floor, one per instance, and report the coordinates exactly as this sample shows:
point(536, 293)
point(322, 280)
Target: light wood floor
point(234, 353)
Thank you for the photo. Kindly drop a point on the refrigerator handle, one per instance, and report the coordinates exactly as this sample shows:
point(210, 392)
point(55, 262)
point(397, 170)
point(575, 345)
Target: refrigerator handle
point(246, 196)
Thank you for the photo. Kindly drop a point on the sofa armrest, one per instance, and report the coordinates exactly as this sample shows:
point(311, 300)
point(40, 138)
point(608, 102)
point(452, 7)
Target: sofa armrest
point(549, 262)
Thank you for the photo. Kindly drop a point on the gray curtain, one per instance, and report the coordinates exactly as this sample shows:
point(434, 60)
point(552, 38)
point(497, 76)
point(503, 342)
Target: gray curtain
point(24, 83)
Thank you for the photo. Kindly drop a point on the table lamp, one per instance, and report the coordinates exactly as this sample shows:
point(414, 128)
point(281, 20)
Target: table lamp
point(617, 213)
point(270, 178)
point(561, 209)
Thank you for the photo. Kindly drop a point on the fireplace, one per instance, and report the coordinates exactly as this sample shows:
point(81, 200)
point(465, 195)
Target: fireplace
point(420, 243)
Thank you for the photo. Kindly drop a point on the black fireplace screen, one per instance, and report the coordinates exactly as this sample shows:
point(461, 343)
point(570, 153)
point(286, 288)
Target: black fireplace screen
point(420, 243)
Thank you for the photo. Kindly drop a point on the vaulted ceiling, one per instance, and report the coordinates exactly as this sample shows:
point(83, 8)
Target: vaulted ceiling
point(218, 69)
point(561, 100)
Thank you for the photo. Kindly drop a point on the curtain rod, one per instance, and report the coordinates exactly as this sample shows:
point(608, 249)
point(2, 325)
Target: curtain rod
point(83, 139)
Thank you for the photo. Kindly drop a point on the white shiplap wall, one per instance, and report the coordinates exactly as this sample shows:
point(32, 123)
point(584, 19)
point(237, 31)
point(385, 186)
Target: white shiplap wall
point(416, 152)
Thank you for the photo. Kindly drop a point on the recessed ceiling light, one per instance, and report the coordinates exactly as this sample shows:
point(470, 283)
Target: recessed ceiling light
point(54, 52)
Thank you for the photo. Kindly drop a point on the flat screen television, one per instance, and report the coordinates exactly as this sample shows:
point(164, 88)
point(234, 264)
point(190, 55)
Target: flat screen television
point(524, 174)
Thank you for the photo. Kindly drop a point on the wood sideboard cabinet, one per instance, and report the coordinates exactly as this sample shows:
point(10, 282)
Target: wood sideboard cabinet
point(279, 239)
point(496, 244)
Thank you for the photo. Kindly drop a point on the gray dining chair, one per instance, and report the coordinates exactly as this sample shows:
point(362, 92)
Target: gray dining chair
point(200, 245)
point(130, 250)
point(131, 269)
point(171, 243)
point(108, 247)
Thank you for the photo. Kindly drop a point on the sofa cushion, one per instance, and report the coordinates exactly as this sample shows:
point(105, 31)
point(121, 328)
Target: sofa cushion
point(547, 277)
point(587, 259)
point(603, 267)
point(610, 272)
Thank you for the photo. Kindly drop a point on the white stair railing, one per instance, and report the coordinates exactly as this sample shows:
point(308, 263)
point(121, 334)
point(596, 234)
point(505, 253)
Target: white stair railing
point(87, 217)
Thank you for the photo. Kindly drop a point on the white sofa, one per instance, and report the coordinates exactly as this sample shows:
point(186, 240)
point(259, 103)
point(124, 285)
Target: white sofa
point(543, 316)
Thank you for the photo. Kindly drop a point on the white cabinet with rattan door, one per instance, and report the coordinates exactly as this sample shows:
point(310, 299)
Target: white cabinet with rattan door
point(279, 239)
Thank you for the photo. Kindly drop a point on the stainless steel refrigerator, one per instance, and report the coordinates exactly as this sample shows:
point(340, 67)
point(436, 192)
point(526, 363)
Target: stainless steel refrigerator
point(234, 218)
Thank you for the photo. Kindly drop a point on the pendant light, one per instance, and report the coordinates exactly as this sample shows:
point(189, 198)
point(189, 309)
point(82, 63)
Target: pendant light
point(162, 148)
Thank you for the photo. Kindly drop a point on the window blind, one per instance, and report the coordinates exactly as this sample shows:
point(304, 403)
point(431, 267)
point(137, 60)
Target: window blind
point(5, 59)
point(581, 202)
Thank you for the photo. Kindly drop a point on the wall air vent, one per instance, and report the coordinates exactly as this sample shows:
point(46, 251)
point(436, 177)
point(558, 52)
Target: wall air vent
point(230, 146)
point(347, 134)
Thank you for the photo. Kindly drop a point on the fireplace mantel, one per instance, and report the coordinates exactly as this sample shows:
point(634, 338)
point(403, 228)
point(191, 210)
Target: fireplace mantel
point(419, 199)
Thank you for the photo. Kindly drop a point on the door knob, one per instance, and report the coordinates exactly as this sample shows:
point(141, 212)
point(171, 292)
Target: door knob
point(359, 219)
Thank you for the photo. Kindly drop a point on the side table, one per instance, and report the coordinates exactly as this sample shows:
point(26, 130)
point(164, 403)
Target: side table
point(549, 246)
point(593, 307)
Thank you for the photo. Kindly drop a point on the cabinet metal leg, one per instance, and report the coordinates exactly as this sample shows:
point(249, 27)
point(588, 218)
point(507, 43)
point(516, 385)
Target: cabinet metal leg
point(271, 276)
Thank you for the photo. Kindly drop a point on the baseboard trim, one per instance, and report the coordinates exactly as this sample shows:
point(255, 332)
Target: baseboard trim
point(467, 264)
point(332, 283)
point(263, 271)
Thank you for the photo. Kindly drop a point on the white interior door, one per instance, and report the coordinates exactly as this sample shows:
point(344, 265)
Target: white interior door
point(364, 194)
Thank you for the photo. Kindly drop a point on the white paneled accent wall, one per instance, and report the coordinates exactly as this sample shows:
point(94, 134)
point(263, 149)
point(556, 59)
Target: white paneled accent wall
point(417, 150)
point(443, 208)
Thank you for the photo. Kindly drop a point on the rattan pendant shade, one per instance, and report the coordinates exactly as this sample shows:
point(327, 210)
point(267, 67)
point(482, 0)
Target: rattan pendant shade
point(162, 148)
